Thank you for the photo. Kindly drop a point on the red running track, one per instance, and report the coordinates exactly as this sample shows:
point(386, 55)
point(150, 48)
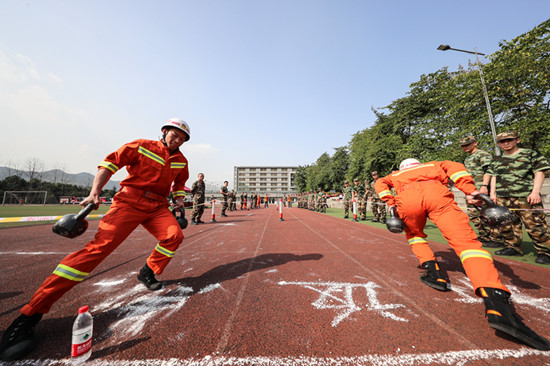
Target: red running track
point(253, 290)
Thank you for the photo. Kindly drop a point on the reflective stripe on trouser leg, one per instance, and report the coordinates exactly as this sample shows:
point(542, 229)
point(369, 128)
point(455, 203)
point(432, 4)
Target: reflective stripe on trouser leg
point(112, 231)
point(480, 269)
point(477, 262)
point(421, 249)
point(167, 231)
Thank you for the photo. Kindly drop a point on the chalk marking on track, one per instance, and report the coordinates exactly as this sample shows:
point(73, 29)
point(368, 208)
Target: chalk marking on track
point(329, 299)
point(460, 358)
point(224, 339)
point(459, 337)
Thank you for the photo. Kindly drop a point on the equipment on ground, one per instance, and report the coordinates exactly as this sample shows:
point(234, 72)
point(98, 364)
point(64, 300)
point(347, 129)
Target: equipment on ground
point(493, 215)
point(71, 225)
point(182, 221)
point(394, 223)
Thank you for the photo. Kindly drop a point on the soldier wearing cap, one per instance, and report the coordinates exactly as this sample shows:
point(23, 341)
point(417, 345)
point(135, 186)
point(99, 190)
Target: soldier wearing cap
point(477, 164)
point(359, 197)
point(347, 192)
point(516, 181)
point(378, 206)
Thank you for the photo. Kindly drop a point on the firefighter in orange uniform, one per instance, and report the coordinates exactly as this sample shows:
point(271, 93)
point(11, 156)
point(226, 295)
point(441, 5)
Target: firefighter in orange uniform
point(421, 192)
point(154, 169)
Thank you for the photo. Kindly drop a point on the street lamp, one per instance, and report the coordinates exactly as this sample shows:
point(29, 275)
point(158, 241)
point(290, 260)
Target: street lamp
point(445, 47)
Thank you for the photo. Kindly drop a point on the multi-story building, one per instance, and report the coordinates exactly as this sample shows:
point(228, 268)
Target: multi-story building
point(270, 179)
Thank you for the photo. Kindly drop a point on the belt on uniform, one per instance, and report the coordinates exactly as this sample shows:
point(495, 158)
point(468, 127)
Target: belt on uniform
point(143, 193)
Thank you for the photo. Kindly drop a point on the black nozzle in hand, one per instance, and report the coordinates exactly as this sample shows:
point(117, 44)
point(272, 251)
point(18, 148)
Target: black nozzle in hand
point(494, 215)
point(182, 221)
point(71, 225)
point(394, 223)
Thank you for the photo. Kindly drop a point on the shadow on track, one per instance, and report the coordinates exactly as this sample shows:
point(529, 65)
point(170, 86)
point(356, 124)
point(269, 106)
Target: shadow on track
point(234, 270)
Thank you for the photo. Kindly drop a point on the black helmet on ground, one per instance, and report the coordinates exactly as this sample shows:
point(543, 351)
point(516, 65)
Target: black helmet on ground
point(182, 221)
point(394, 223)
point(494, 215)
point(71, 225)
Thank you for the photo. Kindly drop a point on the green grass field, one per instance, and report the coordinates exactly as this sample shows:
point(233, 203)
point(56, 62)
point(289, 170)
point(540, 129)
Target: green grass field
point(42, 210)
point(435, 235)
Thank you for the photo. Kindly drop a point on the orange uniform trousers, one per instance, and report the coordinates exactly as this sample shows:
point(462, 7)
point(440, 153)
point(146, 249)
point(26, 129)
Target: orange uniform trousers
point(130, 208)
point(431, 199)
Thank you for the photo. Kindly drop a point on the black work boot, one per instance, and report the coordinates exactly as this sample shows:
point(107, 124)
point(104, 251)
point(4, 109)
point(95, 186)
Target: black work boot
point(434, 277)
point(18, 341)
point(501, 316)
point(147, 276)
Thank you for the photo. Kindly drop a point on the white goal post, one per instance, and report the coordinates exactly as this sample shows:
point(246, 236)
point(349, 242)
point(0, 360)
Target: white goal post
point(24, 198)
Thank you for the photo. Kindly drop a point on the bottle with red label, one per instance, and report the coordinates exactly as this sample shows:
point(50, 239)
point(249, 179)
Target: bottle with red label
point(82, 336)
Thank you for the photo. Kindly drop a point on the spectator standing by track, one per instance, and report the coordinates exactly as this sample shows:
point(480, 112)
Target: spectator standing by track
point(516, 180)
point(198, 190)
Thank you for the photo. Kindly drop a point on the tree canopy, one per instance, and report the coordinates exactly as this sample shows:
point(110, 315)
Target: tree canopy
point(442, 107)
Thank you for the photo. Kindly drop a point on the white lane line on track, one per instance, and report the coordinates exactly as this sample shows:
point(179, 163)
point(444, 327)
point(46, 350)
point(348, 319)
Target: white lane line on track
point(391, 288)
point(222, 344)
point(460, 358)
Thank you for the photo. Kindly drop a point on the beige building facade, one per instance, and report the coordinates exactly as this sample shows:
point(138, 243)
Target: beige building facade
point(265, 179)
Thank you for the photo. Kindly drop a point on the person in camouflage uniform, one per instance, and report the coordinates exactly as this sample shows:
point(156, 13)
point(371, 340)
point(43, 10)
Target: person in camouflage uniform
point(516, 180)
point(321, 201)
point(359, 192)
point(347, 192)
point(378, 206)
point(225, 194)
point(477, 164)
point(198, 190)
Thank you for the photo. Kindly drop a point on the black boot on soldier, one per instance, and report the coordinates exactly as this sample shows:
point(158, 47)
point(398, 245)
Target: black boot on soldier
point(147, 276)
point(434, 277)
point(18, 340)
point(501, 317)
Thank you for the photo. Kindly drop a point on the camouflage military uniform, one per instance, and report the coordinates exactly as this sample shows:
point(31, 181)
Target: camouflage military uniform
point(378, 206)
point(322, 201)
point(347, 192)
point(231, 201)
point(477, 164)
point(198, 191)
point(225, 198)
point(360, 192)
point(514, 182)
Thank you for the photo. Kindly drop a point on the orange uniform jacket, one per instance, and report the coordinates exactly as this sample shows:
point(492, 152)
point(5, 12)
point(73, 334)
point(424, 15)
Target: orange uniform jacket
point(150, 166)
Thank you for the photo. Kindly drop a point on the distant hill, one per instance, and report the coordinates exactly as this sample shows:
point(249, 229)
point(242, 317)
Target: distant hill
point(58, 176)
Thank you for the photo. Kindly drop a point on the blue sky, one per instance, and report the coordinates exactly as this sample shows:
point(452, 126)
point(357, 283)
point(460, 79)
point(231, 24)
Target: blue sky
point(259, 82)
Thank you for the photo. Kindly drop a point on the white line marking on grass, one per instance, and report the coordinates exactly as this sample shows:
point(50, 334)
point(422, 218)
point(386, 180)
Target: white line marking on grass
point(459, 358)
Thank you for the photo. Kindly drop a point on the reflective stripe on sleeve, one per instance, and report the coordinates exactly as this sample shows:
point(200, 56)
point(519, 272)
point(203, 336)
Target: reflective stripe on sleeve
point(178, 193)
point(417, 240)
point(164, 251)
point(151, 155)
point(177, 165)
point(109, 166)
point(384, 193)
point(475, 253)
point(458, 175)
point(70, 273)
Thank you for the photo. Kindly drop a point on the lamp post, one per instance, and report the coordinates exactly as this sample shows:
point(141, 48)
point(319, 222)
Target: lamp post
point(445, 47)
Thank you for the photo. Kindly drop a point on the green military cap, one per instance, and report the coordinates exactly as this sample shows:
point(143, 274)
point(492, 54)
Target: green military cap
point(374, 172)
point(346, 182)
point(467, 140)
point(507, 135)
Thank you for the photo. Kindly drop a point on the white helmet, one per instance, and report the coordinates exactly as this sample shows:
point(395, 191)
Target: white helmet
point(408, 163)
point(180, 125)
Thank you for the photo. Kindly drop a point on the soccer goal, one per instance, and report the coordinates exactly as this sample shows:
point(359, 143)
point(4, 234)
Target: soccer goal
point(24, 198)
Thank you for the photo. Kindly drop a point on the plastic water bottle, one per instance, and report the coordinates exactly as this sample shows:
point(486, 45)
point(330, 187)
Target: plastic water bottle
point(82, 336)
